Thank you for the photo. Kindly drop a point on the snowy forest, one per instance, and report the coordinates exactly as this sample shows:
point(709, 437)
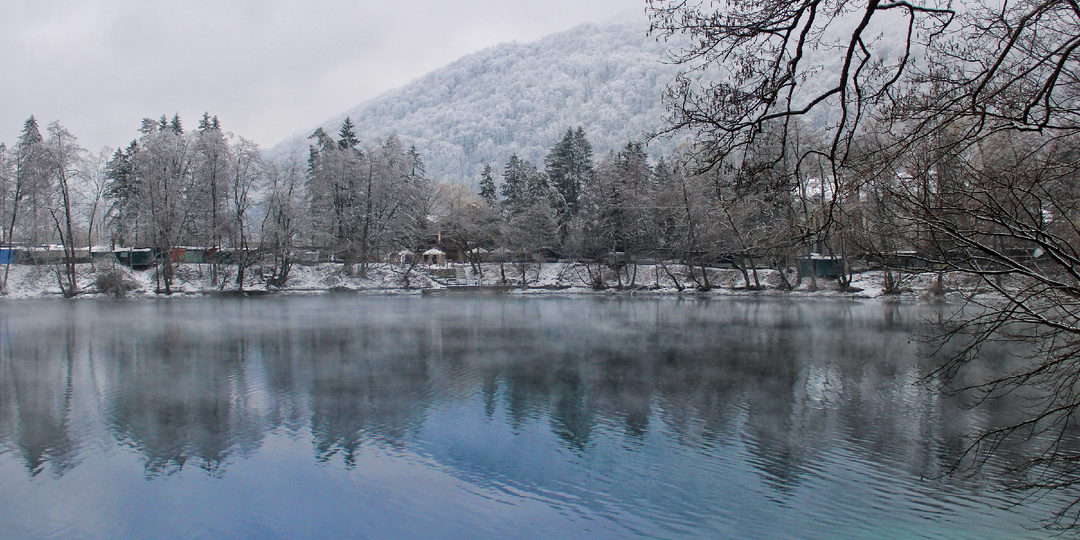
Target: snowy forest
point(773, 191)
point(518, 98)
point(923, 141)
point(359, 203)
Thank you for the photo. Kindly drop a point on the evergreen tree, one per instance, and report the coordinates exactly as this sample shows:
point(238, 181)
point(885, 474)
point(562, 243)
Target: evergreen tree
point(524, 186)
point(32, 178)
point(149, 125)
point(31, 183)
point(347, 135)
point(31, 135)
point(417, 170)
point(569, 166)
point(122, 190)
point(175, 125)
point(323, 144)
point(514, 185)
point(631, 156)
point(487, 187)
point(539, 188)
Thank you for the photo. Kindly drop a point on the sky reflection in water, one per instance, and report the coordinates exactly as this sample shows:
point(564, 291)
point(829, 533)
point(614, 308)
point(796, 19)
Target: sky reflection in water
point(480, 417)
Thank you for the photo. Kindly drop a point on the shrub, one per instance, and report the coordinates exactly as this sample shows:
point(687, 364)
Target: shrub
point(114, 282)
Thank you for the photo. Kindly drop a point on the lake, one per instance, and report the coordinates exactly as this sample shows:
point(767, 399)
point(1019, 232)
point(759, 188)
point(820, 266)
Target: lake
point(483, 417)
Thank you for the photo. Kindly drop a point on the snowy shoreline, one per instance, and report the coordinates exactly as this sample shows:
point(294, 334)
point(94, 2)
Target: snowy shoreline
point(194, 280)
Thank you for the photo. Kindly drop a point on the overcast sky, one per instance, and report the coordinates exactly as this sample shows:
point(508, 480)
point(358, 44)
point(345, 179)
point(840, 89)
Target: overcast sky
point(267, 68)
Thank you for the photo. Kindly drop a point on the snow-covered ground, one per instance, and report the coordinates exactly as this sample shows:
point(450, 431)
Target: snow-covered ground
point(573, 278)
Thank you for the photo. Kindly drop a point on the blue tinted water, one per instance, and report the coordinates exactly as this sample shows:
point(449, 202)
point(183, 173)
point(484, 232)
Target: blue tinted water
point(394, 417)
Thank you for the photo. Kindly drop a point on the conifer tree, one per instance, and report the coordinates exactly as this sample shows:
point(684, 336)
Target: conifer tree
point(122, 190)
point(514, 185)
point(487, 187)
point(30, 171)
point(347, 135)
point(569, 166)
point(149, 125)
point(417, 170)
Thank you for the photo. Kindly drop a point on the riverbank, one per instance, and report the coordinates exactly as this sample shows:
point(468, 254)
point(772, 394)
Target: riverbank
point(112, 279)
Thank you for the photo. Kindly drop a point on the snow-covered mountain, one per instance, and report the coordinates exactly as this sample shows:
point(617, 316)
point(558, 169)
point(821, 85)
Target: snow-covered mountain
point(521, 98)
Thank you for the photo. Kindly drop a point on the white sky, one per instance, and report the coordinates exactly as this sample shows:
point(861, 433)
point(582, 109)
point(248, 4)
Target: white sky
point(266, 68)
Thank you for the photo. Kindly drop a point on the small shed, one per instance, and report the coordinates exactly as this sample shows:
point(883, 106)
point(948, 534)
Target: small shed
point(13, 254)
point(189, 255)
point(478, 254)
point(435, 256)
point(137, 258)
point(821, 266)
point(403, 257)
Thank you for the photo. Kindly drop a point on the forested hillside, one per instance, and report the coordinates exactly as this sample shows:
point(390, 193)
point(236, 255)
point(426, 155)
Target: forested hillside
point(519, 99)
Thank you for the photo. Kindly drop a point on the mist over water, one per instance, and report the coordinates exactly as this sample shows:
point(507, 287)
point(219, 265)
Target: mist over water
point(483, 417)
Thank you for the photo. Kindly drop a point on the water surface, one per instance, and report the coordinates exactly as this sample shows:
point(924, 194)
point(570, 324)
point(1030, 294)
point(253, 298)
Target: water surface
point(391, 417)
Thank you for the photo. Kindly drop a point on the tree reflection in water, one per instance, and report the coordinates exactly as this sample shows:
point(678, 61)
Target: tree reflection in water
point(657, 387)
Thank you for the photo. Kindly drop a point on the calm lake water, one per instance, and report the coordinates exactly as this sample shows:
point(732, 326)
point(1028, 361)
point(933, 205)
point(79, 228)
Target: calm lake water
point(410, 417)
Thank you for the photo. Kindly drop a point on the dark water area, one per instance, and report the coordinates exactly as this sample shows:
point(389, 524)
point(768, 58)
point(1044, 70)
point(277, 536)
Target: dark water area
point(410, 417)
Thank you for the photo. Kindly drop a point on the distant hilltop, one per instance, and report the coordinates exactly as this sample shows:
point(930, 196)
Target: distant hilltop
point(519, 99)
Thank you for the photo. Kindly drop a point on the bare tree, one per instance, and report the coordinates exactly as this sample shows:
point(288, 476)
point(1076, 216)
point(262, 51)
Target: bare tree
point(65, 158)
point(467, 221)
point(974, 125)
point(93, 193)
point(247, 171)
point(211, 167)
point(283, 222)
point(533, 232)
point(163, 166)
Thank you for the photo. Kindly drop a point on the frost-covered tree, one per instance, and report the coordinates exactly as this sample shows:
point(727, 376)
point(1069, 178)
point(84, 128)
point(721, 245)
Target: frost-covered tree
point(26, 216)
point(92, 195)
point(467, 221)
point(347, 135)
point(533, 232)
point(333, 176)
point(360, 200)
point(8, 160)
point(683, 223)
point(212, 162)
point(122, 193)
point(569, 166)
point(163, 165)
point(283, 221)
point(246, 173)
point(526, 190)
point(33, 181)
point(65, 161)
point(487, 187)
point(514, 185)
point(616, 203)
